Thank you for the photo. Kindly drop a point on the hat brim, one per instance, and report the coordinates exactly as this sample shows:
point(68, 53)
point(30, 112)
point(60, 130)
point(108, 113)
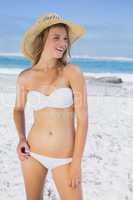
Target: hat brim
point(76, 31)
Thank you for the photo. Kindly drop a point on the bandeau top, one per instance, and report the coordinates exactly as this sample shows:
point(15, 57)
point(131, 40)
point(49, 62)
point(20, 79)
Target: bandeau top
point(59, 98)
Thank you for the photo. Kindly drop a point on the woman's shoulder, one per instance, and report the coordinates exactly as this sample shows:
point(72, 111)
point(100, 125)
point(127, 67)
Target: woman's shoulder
point(26, 73)
point(23, 76)
point(72, 69)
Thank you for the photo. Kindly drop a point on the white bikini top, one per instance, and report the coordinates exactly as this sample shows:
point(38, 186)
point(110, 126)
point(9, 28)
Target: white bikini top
point(59, 98)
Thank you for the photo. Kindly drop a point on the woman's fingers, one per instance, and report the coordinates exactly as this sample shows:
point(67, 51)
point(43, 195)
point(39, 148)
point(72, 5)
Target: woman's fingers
point(74, 182)
point(21, 152)
point(78, 182)
point(23, 156)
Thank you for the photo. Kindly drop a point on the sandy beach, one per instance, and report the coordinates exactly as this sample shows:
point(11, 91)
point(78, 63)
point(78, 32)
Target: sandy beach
point(107, 164)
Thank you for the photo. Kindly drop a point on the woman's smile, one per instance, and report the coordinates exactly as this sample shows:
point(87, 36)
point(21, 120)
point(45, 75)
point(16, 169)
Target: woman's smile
point(59, 51)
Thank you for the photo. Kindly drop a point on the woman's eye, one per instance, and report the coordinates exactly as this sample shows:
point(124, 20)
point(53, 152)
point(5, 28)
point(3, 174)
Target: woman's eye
point(58, 38)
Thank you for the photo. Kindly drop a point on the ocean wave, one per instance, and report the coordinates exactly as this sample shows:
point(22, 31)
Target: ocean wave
point(104, 58)
point(11, 54)
point(9, 71)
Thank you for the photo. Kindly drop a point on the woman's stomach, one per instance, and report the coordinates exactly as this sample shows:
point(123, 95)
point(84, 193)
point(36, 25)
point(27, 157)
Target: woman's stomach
point(53, 132)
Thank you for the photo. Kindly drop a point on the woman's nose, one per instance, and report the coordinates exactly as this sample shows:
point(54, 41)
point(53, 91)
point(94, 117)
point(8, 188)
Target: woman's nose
point(63, 43)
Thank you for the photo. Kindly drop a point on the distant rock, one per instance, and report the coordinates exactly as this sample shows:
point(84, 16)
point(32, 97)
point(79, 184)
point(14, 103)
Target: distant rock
point(110, 79)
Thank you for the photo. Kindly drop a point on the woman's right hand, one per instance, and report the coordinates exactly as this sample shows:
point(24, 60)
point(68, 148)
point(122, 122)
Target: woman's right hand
point(23, 149)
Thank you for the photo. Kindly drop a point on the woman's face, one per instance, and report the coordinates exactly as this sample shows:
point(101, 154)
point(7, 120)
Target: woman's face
point(56, 42)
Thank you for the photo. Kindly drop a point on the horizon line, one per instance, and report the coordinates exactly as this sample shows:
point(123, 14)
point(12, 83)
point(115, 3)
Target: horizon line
point(77, 56)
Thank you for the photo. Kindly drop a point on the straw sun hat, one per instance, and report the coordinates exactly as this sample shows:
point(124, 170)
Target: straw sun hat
point(75, 31)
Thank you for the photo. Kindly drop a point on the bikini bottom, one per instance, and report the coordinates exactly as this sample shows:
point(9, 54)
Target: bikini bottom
point(50, 162)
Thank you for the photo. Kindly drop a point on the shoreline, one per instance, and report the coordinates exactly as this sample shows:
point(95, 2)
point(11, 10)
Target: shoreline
point(126, 77)
point(119, 58)
point(96, 86)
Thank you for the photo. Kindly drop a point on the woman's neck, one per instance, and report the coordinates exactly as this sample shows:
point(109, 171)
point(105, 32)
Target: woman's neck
point(46, 63)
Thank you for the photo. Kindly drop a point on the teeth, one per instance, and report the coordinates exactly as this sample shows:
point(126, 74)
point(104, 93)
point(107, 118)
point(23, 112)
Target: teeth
point(60, 49)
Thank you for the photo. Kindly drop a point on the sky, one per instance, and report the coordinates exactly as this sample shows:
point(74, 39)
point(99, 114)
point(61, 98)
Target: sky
point(109, 24)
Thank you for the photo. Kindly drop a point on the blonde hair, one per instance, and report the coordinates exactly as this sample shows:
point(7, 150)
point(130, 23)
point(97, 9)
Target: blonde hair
point(39, 43)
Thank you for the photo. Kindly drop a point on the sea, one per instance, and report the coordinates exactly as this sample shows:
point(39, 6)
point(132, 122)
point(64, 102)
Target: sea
point(95, 66)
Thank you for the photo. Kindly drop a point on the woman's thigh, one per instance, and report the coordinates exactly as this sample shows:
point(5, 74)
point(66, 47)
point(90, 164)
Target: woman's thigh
point(61, 177)
point(34, 175)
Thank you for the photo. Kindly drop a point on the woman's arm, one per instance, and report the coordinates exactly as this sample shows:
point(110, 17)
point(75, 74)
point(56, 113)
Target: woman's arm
point(23, 147)
point(77, 82)
point(18, 111)
point(78, 85)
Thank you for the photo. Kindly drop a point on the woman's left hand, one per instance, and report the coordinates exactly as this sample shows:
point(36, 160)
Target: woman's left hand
point(75, 175)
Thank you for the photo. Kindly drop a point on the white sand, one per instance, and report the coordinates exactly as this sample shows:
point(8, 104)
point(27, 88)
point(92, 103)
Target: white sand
point(107, 164)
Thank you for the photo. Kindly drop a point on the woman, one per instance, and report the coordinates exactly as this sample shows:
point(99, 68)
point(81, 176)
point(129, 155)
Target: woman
point(56, 91)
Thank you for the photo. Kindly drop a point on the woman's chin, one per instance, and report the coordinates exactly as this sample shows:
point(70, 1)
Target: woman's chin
point(58, 56)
